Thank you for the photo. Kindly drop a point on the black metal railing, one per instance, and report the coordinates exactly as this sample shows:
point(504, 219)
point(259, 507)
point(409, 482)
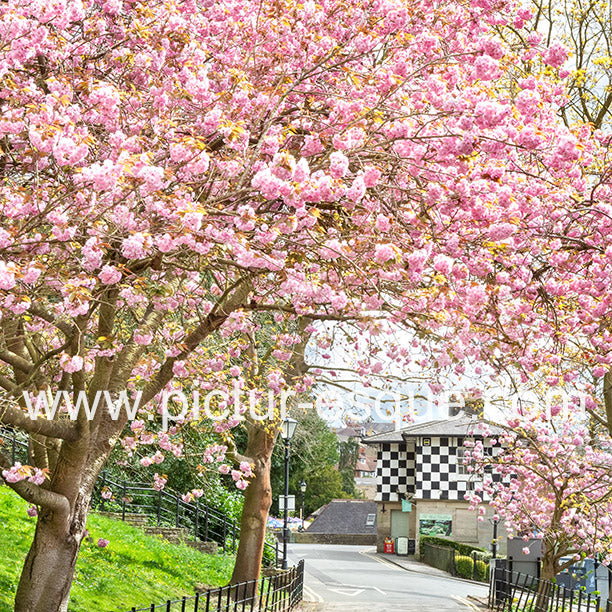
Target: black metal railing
point(167, 508)
point(17, 449)
point(280, 592)
point(163, 508)
point(516, 592)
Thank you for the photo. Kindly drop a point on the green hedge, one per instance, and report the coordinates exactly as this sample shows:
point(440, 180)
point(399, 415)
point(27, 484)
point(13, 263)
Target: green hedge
point(463, 549)
point(464, 566)
point(481, 571)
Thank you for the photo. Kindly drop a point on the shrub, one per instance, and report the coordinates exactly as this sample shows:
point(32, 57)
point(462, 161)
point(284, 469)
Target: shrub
point(464, 566)
point(481, 556)
point(463, 549)
point(481, 571)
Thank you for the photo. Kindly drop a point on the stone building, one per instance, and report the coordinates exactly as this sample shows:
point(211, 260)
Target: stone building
point(421, 483)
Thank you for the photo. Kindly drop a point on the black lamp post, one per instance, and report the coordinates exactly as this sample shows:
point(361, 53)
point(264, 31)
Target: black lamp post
point(494, 522)
point(287, 430)
point(303, 490)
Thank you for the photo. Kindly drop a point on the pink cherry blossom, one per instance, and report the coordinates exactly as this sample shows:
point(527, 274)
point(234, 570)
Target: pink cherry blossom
point(109, 275)
point(384, 252)
point(71, 364)
point(556, 55)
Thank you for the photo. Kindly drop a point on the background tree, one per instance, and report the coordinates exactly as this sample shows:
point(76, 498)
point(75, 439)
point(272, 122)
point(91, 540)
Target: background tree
point(314, 458)
point(348, 456)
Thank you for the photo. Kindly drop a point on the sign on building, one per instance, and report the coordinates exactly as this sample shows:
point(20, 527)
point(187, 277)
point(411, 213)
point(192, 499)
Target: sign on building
point(436, 524)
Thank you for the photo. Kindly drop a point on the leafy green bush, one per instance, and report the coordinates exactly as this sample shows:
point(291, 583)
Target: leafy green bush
point(463, 549)
point(481, 571)
point(481, 556)
point(464, 566)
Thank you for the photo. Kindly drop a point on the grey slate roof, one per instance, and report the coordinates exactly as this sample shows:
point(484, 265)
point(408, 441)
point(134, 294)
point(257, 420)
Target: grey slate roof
point(344, 516)
point(458, 427)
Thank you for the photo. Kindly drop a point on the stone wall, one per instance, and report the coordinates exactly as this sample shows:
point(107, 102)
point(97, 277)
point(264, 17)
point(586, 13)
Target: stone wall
point(361, 539)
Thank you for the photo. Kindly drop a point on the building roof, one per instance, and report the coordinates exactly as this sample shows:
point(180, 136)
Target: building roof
point(391, 436)
point(345, 516)
point(359, 430)
point(464, 425)
point(366, 464)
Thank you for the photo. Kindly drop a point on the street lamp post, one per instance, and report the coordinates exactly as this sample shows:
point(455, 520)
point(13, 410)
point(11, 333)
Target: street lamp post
point(303, 490)
point(287, 430)
point(494, 522)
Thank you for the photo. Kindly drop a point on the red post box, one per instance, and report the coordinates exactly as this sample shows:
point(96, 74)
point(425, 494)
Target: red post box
point(389, 546)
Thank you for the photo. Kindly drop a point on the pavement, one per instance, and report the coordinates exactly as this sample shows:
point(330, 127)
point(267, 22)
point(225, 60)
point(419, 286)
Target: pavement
point(358, 579)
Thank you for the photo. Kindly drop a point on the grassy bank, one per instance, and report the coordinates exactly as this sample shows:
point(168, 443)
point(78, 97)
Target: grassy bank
point(133, 570)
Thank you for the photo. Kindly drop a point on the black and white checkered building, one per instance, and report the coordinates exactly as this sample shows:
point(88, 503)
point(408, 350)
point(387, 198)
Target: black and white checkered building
point(395, 472)
point(416, 462)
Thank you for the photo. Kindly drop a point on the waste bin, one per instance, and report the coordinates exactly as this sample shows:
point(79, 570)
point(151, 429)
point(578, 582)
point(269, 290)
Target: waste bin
point(401, 545)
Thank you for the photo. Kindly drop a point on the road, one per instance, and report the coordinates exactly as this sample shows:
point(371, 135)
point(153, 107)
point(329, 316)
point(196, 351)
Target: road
point(353, 578)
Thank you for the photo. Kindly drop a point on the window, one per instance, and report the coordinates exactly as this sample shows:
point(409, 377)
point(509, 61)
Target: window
point(461, 468)
point(370, 520)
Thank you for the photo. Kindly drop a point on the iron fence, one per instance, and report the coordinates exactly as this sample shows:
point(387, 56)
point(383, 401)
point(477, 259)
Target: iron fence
point(280, 592)
point(17, 448)
point(167, 508)
point(516, 592)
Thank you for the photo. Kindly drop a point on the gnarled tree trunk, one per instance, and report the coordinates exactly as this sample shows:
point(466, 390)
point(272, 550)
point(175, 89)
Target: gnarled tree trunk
point(47, 574)
point(49, 567)
point(550, 568)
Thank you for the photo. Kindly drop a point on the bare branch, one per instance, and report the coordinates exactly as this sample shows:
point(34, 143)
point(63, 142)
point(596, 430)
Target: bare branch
point(16, 361)
point(52, 429)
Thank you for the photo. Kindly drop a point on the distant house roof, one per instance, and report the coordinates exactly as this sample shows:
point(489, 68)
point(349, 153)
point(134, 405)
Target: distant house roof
point(365, 464)
point(345, 516)
point(465, 425)
point(359, 430)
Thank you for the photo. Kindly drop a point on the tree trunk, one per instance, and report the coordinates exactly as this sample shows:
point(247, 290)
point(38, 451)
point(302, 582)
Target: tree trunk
point(257, 502)
point(550, 568)
point(49, 567)
point(47, 574)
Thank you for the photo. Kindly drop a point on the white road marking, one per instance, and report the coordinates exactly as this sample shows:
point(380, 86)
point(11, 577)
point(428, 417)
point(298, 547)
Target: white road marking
point(347, 592)
point(357, 586)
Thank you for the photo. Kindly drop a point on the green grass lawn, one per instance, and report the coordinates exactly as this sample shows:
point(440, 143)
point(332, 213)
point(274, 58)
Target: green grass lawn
point(133, 570)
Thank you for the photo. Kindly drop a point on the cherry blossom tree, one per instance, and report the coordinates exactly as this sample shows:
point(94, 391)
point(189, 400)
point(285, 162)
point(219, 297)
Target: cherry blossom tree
point(554, 483)
point(577, 34)
point(168, 169)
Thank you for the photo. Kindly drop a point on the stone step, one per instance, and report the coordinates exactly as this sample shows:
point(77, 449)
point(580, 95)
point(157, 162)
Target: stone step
point(138, 520)
point(174, 535)
point(169, 533)
point(208, 548)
